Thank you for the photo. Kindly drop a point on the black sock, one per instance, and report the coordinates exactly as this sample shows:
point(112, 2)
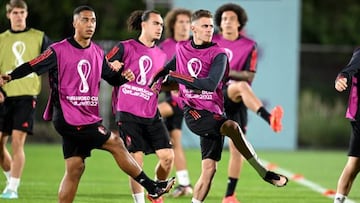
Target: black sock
point(231, 186)
point(264, 114)
point(145, 181)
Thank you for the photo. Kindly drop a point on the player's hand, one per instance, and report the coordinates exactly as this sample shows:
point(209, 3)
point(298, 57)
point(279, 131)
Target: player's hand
point(341, 84)
point(116, 65)
point(4, 79)
point(155, 87)
point(128, 74)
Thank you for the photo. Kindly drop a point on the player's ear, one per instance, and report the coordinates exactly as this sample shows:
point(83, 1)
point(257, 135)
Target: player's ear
point(192, 27)
point(74, 23)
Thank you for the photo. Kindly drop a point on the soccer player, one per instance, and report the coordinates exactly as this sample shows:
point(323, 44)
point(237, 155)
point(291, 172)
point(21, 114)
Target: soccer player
point(18, 44)
point(177, 28)
point(76, 66)
point(201, 68)
point(349, 77)
point(242, 53)
point(135, 104)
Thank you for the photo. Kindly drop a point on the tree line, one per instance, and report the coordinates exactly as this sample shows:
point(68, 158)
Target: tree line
point(328, 22)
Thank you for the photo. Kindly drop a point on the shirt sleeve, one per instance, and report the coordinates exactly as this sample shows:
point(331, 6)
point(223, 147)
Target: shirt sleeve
point(352, 67)
point(116, 53)
point(210, 83)
point(45, 43)
point(171, 65)
point(251, 61)
point(112, 77)
point(41, 64)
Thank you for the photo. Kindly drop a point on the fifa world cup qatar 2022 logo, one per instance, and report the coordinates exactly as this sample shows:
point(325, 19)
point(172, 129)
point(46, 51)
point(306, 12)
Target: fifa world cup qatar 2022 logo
point(18, 49)
point(84, 69)
point(145, 65)
point(229, 53)
point(194, 67)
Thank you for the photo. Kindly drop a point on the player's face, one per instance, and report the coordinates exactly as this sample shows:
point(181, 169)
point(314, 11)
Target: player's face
point(182, 25)
point(203, 29)
point(17, 17)
point(229, 22)
point(153, 27)
point(85, 24)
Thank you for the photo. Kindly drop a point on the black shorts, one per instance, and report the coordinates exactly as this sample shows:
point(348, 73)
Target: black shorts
point(175, 121)
point(354, 145)
point(144, 137)
point(235, 111)
point(2, 115)
point(207, 125)
point(19, 114)
point(80, 140)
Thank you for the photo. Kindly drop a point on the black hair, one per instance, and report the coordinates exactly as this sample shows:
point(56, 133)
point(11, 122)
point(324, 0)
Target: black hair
point(240, 12)
point(137, 17)
point(79, 9)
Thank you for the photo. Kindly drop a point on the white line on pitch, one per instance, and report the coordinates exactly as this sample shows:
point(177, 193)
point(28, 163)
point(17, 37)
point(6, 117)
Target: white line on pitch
point(300, 179)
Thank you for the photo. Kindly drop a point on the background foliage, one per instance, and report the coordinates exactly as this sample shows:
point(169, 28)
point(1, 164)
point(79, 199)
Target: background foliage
point(330, 22)
point(323, 21)
point(55, 17)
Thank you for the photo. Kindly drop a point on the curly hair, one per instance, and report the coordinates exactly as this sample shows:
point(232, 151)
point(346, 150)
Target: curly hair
point(137, 17)
point(240, 12)
point(170, 20)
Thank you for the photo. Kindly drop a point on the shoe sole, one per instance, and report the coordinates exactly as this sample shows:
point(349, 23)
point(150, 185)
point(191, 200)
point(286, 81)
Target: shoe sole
point(183, 192)
point(169, 185)
point(153, 200)
point(271, 181)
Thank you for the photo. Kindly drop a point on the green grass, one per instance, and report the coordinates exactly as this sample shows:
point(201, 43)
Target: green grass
point(104, 182)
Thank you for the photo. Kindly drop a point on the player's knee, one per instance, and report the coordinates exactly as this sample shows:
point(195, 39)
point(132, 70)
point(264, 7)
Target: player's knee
point(114, 142)
point(166, 156)
point(243, 86)
point(74, 171)
point(229, 128)
point(208, 170)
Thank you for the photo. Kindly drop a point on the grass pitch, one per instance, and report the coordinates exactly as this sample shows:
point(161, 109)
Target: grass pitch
point(104, 182)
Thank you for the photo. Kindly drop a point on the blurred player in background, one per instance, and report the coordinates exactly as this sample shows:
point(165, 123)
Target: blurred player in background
point(177, 28)
point(349, 78)
point(238, 94)
point(17, 45)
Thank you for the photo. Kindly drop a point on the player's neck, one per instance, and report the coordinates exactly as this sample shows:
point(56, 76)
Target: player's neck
point(147, 42)
point(18, 28)
point(231, 36)
point(179, 38)
point(82, 42)
point(199, 42)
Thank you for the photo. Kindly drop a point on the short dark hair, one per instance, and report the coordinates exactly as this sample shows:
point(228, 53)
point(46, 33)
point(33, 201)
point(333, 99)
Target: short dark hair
point(15, 4)
point(170, 20)
point(201, 14)
point(240, 12)
point(79, 9)
point(137, 17)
